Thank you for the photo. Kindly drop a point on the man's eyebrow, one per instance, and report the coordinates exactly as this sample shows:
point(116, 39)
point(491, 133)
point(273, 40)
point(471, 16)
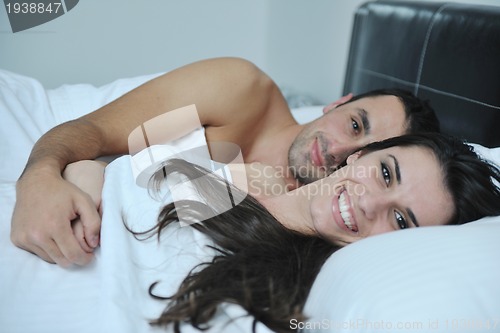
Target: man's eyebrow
point(412, 217)
point(396, 168)
point(364, 119)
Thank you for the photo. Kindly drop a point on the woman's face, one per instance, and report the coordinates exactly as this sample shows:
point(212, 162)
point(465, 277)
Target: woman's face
point(381, 191)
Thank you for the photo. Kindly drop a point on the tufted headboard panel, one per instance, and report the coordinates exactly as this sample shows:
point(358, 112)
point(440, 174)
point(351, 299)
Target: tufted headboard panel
point(448, 53)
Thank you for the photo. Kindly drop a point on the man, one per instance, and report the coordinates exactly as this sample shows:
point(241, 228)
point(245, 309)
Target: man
point(236, 103)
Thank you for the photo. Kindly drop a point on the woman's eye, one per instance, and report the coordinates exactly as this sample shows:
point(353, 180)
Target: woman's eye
point(400, 220)
point(355, 126)
point(386, 174)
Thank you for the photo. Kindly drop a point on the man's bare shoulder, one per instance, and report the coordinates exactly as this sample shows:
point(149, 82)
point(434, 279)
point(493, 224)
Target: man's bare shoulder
point(250, 101)
point(245, 93)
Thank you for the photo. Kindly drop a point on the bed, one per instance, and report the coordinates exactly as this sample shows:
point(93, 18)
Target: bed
point(436, 278)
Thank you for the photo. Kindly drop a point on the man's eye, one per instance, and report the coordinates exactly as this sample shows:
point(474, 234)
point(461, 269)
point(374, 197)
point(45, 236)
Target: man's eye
point(386, 174)
point(400, 220)
point(355, 126)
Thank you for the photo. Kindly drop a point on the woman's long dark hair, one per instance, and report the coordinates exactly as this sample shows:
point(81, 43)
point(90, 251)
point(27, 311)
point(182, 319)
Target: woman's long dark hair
point(471, 180)
point(268, 269)
point(260, 265)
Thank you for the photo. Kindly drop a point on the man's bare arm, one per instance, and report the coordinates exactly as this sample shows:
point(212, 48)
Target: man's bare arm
point(225, 92)
point(46, 204)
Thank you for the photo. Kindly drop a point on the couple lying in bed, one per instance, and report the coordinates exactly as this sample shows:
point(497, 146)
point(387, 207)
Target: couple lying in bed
point(272, 247)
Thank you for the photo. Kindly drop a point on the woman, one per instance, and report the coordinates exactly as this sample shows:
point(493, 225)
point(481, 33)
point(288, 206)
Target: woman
point(270, 249)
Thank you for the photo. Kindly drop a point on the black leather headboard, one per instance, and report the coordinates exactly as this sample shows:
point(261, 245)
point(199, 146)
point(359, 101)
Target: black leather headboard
point(448, 53)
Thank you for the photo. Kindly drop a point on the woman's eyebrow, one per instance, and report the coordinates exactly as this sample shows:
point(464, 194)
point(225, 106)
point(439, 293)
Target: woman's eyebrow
point(412, 217)
point(398, 178)
point(396, 168)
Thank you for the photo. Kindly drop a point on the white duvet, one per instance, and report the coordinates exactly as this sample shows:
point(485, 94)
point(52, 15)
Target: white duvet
point(111, 294)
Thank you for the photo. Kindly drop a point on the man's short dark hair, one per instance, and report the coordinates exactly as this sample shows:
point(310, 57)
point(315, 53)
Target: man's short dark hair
point(420, 116)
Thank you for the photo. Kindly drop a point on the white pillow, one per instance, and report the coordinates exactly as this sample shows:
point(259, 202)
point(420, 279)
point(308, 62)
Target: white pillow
point(490, 154)
point(443, 279)
point(440, 279)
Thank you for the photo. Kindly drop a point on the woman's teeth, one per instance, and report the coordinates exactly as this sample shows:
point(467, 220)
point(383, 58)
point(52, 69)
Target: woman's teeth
point(344, 212)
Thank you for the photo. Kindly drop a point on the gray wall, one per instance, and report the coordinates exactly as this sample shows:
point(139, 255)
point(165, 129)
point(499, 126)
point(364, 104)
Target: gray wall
point(301, 44)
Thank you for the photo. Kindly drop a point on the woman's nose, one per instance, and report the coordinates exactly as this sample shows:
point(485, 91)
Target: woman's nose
point(372, 204)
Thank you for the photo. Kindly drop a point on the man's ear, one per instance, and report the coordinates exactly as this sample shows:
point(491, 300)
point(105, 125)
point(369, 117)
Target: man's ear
point(341, 100)
point(353, 157)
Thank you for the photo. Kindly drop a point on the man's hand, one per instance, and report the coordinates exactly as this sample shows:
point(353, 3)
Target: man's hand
point(45, 207)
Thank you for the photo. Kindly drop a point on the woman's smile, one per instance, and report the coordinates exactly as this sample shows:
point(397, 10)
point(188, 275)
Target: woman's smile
point(346, 212)
point(343, 212)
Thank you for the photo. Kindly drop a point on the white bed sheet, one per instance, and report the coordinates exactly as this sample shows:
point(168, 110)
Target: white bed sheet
point(110, 294)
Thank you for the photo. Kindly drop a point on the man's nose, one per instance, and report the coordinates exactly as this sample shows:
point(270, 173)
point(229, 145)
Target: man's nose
point(340, 151)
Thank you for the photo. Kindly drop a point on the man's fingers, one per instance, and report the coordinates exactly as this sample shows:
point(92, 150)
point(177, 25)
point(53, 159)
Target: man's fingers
point(51, 254)
point(42, 225)
point(77, 227)
point(70, 248)
point(91, 221)
point(63, 249)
